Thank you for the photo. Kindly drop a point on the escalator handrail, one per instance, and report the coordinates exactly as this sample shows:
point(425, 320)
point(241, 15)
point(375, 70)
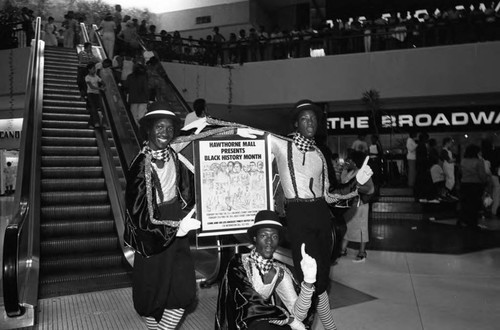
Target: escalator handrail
point(164, 74)
point(21, 292)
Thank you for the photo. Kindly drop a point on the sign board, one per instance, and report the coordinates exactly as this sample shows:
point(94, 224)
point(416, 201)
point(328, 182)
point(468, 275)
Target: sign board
point(416, 120)
point(233, 183)
point(10, 133)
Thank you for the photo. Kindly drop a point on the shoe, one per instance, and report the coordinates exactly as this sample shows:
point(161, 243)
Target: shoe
point(343, 253)
point(361, 257)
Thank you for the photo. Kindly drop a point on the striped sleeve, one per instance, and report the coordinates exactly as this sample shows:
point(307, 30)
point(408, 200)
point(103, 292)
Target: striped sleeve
point(303, 302)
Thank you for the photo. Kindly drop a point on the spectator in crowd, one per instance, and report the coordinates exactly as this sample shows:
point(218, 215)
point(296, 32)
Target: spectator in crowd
point(448, 164)
point(200, 111)
point(163, 277)
point(129, 38)
point(158, 88)
point(117, 18)
point(473, 182)
point(411, 158)
point(69, 24)
point(108, 28)
point(27, 24)
point(242, 47)
point(10, 178)
point(219, 41)
point(233, 48)
point(85, 57)
point(376, 153)
point(142, 30)
point(253, 42)
point(438, 180)
point(50, 37)
point(263, 42)
point(423, 181)
point(94, 103)
point(260, 281)
point(356, 217)
point(137, 91)
point(360, 144)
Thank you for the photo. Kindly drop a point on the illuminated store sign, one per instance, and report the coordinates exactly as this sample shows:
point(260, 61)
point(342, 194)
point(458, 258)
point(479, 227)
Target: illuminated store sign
point(11, 128)
point(450, 119)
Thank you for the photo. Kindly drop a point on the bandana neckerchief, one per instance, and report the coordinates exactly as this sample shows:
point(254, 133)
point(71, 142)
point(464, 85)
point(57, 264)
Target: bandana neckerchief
point(303, 144)
point(262, 264)
point(163, 154)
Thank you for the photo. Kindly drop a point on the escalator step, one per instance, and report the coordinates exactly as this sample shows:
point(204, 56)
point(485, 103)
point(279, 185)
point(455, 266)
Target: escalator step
point(72, 184)
point(62, 161)
point(65, 110)
point(69, 141)
point(78, 282)
point(69, 82)
point(72, 172)
point(69, 151)
point(49, 91)
point(59, 75)
point(75, 212)
point(62, 228)
point(75, 245)
point(62, 97)
point(74, 198)
point(65, 125)
point(53, 68)
point(81, 262)
point(65, 103)
point(68, 132)
point(66, 117)
point(55, 85)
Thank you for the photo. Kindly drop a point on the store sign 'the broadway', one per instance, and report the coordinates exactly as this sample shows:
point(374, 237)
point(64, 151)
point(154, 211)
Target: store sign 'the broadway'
point(438, 119)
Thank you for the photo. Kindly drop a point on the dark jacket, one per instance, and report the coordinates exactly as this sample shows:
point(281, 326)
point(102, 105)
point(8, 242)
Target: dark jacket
point(145, 237)
point(239, 304)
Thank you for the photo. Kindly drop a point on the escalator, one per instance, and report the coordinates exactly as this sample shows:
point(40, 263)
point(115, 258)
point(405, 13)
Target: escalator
point(79, 247)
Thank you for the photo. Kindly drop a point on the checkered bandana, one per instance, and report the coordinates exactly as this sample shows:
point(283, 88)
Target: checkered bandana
point(163, 154)
point(262, 264)
point(302, 143)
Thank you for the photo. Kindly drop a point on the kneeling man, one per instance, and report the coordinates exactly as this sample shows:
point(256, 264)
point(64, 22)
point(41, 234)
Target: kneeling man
point(258, 292)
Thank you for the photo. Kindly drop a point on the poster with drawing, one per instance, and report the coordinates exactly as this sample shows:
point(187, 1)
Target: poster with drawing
point(232, 183)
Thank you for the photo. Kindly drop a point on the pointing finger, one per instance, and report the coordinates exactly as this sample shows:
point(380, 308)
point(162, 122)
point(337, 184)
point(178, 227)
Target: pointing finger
point(303, 250)
point(366, 160)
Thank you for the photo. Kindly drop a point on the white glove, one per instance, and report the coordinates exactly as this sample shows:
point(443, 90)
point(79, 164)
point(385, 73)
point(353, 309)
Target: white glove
point(187, 224)
point(308, 266)
point(248, 132)
point(199, 124)
point(365, 172)
point(297, 325)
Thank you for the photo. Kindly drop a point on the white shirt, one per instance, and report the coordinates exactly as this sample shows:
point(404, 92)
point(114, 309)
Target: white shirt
point(411, 147)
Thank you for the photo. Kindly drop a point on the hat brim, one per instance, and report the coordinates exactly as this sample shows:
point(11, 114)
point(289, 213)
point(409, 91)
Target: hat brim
point(158, 114)
point(252, 231)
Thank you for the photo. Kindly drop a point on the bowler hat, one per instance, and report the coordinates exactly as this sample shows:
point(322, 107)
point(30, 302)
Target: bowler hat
point(158, 110)
point(303, 105)
point(265, 219)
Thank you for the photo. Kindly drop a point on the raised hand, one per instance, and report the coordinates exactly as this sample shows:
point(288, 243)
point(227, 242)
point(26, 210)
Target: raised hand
point(308, 266)
point(364, 173)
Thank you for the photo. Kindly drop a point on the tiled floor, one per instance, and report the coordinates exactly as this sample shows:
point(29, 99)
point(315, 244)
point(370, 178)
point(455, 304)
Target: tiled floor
point(418, 275)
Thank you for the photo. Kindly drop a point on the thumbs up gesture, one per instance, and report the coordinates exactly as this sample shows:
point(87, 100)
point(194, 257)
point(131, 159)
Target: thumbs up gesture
point(308, 266)
point(364, 173)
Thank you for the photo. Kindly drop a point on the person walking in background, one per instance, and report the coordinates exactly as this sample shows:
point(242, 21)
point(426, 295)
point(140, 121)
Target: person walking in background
point(108, 28)
point(94, 102)
point(137, 91)
point(85, 57)
point(376, 152)
point(423, 181)
point(411, 158)
point(10, 178)
point(163, 277)
point(69, 25)
point(448, 165)
point(218, 40)
point(360, 144)
point(200, 111)
point(473, 181)
point(27, 24)
point(356, 217)
point(50, 37)
point(117, 18)
point(495, 174)
point(260, 280)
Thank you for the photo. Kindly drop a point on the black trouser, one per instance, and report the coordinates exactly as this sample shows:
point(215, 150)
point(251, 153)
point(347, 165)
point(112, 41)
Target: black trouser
point(93, 106)
point(470, 202)
point(265, 325)
point(80, 79)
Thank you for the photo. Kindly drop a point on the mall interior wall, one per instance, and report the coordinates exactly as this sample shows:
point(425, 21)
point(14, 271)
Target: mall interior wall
point(435, 72)
point(13, 70)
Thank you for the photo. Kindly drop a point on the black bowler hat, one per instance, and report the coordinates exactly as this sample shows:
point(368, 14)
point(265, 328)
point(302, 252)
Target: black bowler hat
point(158, 110)
point(265, 219)
point(303, 105)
